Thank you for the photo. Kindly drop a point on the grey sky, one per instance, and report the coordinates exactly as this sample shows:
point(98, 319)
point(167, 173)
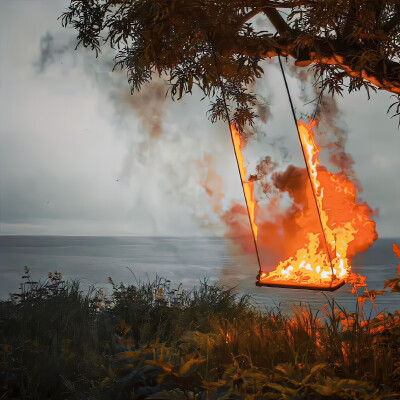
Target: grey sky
point(76, 156)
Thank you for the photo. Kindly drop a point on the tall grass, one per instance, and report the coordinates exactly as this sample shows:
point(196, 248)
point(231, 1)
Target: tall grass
point(157, 341)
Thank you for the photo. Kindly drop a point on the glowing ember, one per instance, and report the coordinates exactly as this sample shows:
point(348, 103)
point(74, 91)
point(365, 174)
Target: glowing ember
point(247, 186)
point(346, 224)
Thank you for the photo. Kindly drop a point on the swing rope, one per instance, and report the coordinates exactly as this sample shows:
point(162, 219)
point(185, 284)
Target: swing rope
point(305, 159)
point(237, 161)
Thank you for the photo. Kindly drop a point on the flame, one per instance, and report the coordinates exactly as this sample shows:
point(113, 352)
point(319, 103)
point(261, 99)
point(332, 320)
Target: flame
point(248, 187)
point(346, 224)
point(396, 251)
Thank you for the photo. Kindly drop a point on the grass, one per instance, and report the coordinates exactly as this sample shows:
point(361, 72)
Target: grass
point(155, 341)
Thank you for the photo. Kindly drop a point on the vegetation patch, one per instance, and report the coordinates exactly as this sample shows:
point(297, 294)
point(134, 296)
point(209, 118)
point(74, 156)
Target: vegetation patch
point(155, 341)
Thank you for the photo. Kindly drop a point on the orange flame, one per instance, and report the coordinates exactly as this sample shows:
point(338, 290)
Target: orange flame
point(396, 251)
point(346, 225)
point(248, 187)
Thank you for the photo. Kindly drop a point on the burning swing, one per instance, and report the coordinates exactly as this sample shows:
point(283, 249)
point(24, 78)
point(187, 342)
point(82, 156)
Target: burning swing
point(322, 263)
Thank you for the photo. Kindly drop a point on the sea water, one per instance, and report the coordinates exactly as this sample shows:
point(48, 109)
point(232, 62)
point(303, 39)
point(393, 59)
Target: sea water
point(181, 260)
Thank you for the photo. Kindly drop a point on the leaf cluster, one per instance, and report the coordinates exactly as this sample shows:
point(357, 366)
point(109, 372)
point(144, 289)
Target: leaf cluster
point(217, 47)
point(183, 41)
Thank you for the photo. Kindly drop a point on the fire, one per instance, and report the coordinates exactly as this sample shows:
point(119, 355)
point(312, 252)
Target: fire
point(323, 261)
point(248, 187)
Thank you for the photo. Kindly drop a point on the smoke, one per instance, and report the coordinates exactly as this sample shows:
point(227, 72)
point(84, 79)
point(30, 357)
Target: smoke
point(264, 169)
point(276, 221)
point(54, 50)
point(263, 110)
point(47, 52)
point(237, 226)
point(333, 137)
point(148, 105)
point(174, 150)
point(211, 182)
point(166, 143)
point(288, 217)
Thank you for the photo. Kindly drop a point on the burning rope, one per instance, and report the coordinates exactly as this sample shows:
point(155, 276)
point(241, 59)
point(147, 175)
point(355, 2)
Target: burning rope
point(308, 172)
point(237, 161)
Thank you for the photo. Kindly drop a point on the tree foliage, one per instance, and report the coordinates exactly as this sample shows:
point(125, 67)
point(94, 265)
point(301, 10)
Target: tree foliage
point(215, 44)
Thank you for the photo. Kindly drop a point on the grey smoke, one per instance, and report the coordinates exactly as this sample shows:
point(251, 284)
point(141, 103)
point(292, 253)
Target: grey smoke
point(51, 49)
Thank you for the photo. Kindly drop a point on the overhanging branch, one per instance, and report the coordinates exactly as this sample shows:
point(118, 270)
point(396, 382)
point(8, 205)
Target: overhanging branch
point(341, 58)
point(277, 21)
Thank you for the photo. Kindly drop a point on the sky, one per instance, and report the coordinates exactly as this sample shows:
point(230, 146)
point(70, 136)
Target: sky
point(80, 156)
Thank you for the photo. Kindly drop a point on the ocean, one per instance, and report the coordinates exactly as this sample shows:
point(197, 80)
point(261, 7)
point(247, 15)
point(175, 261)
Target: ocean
point(186, 260)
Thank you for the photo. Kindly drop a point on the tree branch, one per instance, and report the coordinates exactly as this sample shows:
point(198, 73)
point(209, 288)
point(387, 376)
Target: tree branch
point(248, 16)
point(277, 21)
point(339, 55)
point(258, 4)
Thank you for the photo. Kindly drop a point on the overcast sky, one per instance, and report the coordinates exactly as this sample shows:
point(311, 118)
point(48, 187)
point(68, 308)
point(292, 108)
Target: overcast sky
point(79, 156)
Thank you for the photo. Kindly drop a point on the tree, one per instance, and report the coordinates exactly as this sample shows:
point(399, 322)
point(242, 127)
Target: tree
point(350, 44)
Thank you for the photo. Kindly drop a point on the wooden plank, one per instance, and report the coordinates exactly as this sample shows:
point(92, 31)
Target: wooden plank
point(313, 286)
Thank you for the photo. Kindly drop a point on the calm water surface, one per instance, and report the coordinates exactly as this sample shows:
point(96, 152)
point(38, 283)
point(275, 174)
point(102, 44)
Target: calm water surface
point(186, 260)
